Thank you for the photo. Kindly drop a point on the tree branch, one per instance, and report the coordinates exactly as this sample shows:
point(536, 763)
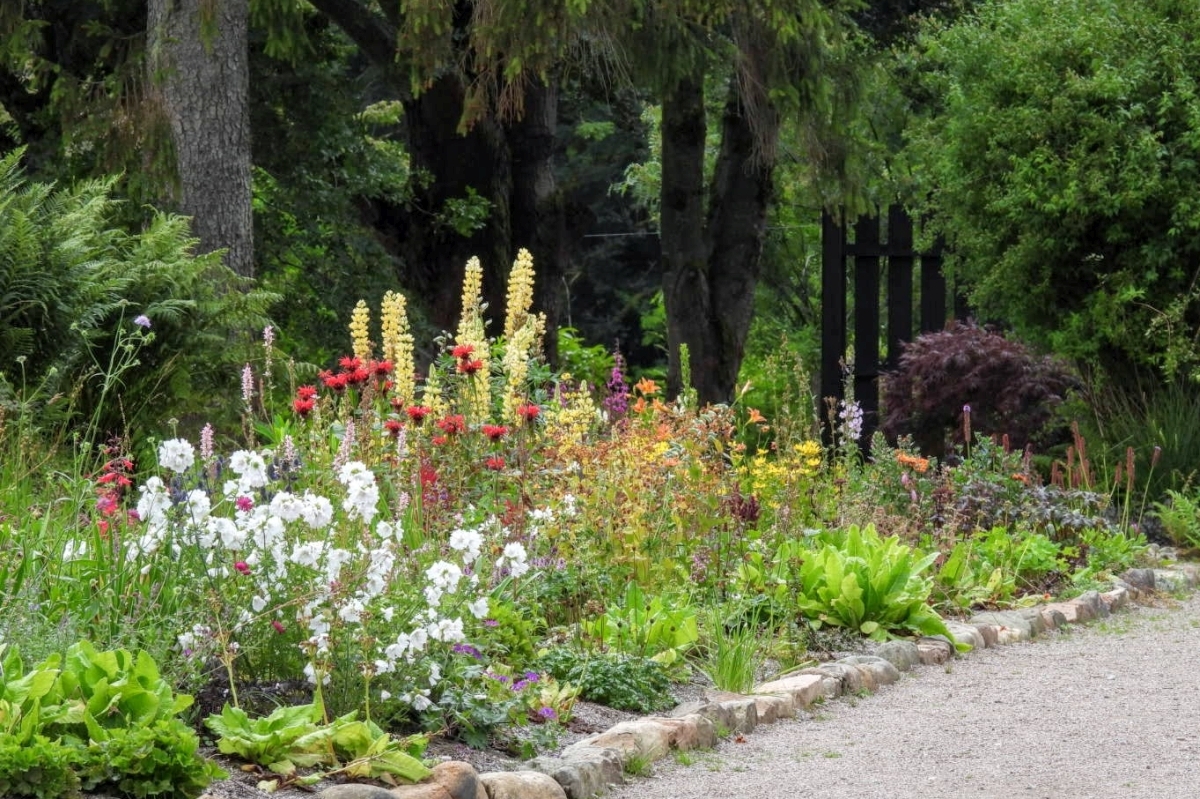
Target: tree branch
point(373, 34)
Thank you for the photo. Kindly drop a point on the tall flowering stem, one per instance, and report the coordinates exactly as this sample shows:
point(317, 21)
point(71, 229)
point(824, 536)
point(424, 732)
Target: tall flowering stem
point(471, 333)
point(398, 346)
point(360, 321)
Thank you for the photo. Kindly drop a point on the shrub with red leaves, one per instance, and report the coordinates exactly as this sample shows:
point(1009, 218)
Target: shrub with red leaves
point(1008, 388)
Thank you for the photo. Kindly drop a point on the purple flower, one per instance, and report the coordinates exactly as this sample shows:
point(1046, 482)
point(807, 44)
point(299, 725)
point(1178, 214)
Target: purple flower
point(531, 676)
point(490, 623)
point(142, 320)
point(467, 649)
point(548, 714)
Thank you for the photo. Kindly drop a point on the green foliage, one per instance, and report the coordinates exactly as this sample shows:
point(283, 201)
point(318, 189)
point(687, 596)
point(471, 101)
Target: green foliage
point(619, 681)
point(653, 628)
point(593, 363)
point(294, 737)
point(869, 584)
point(71, 284)
point(1180, 517)
point(732, 651)
point(40, 767)
point(103, 720)
point(1067, 182)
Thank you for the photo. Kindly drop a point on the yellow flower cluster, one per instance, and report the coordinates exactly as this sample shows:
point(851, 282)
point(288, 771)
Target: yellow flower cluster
point(431, 395)
point(767, 477)
point(478, 401)
point(569, 420)
point(398, 344)
point(360, 338)
point(522, 333)
point(520, 294)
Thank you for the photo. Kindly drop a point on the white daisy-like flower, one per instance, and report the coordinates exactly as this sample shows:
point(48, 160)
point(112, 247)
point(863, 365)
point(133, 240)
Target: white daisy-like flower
point(176, 454)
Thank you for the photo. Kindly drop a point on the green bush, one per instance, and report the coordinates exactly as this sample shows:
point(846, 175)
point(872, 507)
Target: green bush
point(71, 285)
point(1062, 164)
point(619, 681)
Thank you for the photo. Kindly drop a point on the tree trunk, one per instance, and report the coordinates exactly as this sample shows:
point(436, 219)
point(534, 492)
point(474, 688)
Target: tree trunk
point(712, 260)
point(455, 164)
point(741, 194)
point(538, 214)
point(199, 60)
point(686, 289)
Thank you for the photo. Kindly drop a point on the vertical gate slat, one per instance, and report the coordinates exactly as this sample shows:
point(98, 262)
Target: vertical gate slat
point(833, 309)
point(866, 322)
point(899, 283)
point(933, 293)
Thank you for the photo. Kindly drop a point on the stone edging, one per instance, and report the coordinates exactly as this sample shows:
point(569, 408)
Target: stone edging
point(588, 767)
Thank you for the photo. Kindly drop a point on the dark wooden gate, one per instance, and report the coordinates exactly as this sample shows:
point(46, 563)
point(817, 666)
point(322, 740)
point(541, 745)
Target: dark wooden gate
point(882, 259)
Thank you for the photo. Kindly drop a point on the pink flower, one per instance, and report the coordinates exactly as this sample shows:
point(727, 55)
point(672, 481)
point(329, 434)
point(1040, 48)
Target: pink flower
point(244, 504)
point(242, 567)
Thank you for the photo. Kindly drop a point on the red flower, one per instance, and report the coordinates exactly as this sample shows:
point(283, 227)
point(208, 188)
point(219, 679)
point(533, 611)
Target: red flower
point(303, 406)
point(336, 382)
point(278, 625)
point(106, 503)
point(357, 376)
point(244, 504)
point(495, 463)
point(418, 412)
point(242, 567)
point(114, 477)
point(528, 411)
point(380, 368)
point(452, 424)
point(428, 475)
point(462, 351)
point(350, 363)
point(393, 426)
point(438, 441)
point(469, 367)
point(306, 392)
point(495, 431)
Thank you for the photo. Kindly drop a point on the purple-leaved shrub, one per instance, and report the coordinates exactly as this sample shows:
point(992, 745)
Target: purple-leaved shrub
point(1007, 387)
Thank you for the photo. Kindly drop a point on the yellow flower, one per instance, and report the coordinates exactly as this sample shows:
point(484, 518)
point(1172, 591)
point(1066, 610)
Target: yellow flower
point(398, 344)
point(360, 321)
point(520, 294)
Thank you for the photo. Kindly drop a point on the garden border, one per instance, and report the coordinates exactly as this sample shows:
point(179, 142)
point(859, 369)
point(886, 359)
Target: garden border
point(589, 767)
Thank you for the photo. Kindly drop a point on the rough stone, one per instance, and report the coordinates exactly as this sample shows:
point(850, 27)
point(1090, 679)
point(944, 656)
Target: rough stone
point(849, 678)
point(583, 771)
point(1013, 626)
point(721, 716)
point(1191, 572)
point(904, 655)
point(1115, 599)
point(653, 737)
point(770, 708)
point(876, 671)
point(354, 790)
point(1073, 611)
point(1092, 600)
point(521, 785)
point(804, 689)
point(1054, 618)
point(990, 633)
point(934, 651)
point(1141, 579)
point(460, 780)
point(1170, 580)
point(427, 790)
point(966, 634)
point(745, 713)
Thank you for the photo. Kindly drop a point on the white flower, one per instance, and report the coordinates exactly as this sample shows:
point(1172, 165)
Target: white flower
point(468, 542)
point(334, 561)
point(176, 454)
point(418, 640)
point(199, 505)
point(388, 613)
point(361, 501)
point(541, 515)
point(449, 631)
point(479, 608)
point(355, 472)
point(258, 603)
point(74, 550)
point(154, 501)
point(385, 530)
point(444, 575)
point(351, 612)
point(308, 554)
point(232, 537)
point(397, 650)
point(317, 511)
point(517, 558)
point(385, 696)
point(250, 467)
point(433, 596)
point(288, 507)
point(311, 674)
point(435, 674)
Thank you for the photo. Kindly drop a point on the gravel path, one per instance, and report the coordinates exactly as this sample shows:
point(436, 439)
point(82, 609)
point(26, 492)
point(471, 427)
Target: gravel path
point(1109, 710)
